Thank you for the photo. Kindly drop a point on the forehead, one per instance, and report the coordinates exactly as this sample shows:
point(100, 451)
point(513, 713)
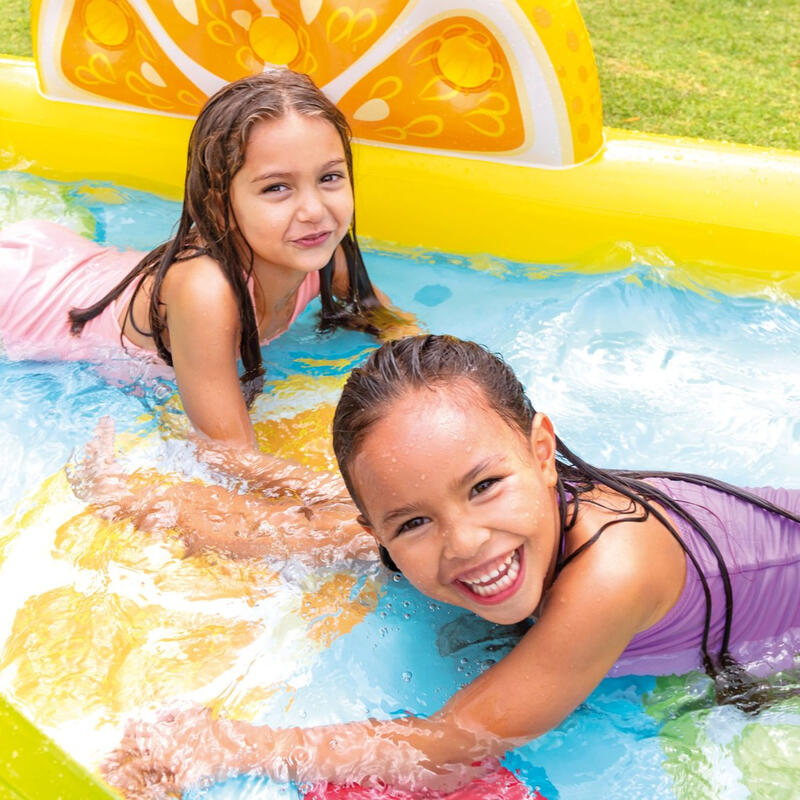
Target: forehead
point(426, 438)
point(292, 137)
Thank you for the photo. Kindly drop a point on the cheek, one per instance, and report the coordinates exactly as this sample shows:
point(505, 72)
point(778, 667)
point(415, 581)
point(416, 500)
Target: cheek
point(419, 563)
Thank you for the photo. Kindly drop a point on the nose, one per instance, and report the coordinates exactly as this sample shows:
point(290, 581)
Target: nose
point(311, 207)
point(462, 540)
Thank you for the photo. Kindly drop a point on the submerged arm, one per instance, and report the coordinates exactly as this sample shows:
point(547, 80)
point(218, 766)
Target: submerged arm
point(583, 630)
point(216, 518)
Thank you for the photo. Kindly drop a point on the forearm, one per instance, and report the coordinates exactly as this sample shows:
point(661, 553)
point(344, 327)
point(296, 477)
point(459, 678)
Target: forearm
point(272, 475)
point(411, 753)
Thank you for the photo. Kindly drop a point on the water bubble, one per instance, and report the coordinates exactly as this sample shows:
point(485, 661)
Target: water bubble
point(406, 676)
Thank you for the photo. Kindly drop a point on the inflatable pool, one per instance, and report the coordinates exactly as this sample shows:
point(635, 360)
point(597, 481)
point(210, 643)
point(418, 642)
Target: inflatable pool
point(627, 274)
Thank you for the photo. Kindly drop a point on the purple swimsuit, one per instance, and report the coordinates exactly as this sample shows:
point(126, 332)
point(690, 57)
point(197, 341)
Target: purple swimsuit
point(762, 553)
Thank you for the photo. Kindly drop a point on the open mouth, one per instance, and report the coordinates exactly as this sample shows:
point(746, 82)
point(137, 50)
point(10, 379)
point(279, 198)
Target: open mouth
point(497, 584)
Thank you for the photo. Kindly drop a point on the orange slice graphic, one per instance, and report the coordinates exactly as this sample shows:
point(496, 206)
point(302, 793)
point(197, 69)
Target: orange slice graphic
point(514, 80)
point(327, 35)
point(449, 87)
point(108, 51)
point(213, 33)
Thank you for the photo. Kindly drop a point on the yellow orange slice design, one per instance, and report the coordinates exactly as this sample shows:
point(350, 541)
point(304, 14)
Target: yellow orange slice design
point(326, 35)
point(449, 87)
point(511, 80)
point(108, 51)
point(213, 33)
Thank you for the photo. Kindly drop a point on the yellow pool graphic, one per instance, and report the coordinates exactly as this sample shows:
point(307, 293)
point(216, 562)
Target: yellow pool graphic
point(497, 78)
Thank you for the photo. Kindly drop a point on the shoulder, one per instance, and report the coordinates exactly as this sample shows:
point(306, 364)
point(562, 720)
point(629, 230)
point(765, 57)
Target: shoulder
point(198, 285)
point(635, 564)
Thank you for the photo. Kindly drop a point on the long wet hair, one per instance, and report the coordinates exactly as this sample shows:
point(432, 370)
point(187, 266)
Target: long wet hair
point(217, 148)
point(431, 362)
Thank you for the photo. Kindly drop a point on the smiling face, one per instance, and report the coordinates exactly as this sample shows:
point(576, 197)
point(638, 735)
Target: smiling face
point(292, 198)
point(464, 503)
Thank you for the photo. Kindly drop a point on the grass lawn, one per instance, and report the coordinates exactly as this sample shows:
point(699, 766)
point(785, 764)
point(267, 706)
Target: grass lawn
point(15, 28)
point(717, 69)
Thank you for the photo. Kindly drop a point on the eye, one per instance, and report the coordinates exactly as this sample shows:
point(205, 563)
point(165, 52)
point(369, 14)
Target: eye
point(333, 177)
point(411, 524)
point(482, 486)
point(275, 188)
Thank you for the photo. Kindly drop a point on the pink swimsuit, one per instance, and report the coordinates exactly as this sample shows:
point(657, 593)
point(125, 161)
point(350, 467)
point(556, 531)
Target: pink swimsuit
point(47, 269)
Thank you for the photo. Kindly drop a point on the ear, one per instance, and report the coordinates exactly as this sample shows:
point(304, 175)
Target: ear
point(364, 523)
point(543, 446)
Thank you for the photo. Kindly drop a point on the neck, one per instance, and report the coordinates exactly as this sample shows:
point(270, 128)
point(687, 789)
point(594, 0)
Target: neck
point(277, 285)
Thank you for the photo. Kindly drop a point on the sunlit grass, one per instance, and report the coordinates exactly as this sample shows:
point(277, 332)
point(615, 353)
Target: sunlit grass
point(15, 28)
point(719, 69)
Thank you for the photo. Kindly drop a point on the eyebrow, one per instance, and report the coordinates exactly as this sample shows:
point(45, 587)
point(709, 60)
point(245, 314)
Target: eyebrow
point(279, 175)
point(403, 511)
point(481, 466)
point(467, 478)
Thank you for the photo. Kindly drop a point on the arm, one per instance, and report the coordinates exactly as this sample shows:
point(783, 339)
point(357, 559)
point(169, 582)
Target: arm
point(215, 518)
point(203, 325)
point(272, 475)
point(594, 609)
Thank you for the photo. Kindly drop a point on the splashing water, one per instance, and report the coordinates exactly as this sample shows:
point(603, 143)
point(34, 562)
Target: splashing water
point(638, 368)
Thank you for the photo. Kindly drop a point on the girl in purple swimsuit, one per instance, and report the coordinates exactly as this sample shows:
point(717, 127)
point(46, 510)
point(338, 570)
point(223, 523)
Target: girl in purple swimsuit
point(469, 492)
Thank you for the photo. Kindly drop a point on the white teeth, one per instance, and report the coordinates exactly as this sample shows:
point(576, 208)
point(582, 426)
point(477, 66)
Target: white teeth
point(497, 579)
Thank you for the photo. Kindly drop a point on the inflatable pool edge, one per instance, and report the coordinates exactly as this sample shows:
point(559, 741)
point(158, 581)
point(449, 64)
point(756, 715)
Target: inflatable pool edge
point(726, 211)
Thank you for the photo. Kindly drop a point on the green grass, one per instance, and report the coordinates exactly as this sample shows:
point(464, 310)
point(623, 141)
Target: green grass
point(717, 69)
point(15, 28)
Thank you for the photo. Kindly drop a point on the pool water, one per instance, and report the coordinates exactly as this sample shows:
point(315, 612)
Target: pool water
point(638, 367)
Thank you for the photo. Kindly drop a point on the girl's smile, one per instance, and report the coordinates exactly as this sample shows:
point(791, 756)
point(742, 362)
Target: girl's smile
point(313, 239)
point(464, 503)
point(496, 581)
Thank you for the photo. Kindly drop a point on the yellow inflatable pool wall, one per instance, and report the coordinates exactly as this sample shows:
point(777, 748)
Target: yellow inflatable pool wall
point(478, 128)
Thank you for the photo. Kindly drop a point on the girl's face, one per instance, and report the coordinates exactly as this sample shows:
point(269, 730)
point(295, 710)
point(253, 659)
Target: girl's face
point(292, 197)
point(464, 503)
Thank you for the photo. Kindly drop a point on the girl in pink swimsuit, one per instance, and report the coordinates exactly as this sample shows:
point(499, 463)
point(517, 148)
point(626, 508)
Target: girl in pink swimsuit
point(267, 224)
point(468, 491)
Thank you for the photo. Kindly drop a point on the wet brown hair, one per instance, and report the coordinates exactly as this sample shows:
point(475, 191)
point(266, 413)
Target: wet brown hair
point(448, 363)
point(217, 149)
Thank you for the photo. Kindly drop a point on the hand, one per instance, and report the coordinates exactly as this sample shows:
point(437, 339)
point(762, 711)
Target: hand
point(97, 477)
point(158, 760)
point(271, 475)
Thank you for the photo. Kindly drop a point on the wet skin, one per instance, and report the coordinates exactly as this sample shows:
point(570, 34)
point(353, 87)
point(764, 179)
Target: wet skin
point(464, 503)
